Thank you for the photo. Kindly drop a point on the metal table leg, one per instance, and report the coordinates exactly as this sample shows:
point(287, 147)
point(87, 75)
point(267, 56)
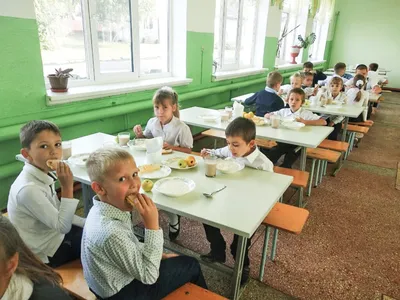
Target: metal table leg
point(237, 271)
point(303, 158)
point(87, 195)
point(346, 122)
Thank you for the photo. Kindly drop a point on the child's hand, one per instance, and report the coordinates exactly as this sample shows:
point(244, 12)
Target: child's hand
point(66, 179)
point(331, 124)
point(204, 152)
point(267, 115)
point(167, 146)
point(148, 211)
point(138, 130)
point(168, 255)
point(301, 120)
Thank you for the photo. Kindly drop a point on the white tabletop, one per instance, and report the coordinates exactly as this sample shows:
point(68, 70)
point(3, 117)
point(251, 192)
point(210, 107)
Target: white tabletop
point(242, 97)
point(308, 136)
point(240, 208)
point(351, 111)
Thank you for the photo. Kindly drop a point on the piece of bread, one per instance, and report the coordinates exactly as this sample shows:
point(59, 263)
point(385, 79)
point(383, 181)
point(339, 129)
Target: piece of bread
point(166, 151)
point(130, 199)
point(53, 163)
point(149, 168)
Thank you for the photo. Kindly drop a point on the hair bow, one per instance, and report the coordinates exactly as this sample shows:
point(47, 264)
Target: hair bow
point(359, 82)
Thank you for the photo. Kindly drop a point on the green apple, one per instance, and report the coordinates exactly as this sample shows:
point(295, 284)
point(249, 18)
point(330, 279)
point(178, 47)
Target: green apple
point(182, 163)
point(147, 185)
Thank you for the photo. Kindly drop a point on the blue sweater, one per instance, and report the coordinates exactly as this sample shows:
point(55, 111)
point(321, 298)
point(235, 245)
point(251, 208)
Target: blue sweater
point(265, 102)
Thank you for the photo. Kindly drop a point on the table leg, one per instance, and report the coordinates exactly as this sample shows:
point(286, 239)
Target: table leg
point(303, 160)
point(87, 195)
point(346, 122)
point(237, 271)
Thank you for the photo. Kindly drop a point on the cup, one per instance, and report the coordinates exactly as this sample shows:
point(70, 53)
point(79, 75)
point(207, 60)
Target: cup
point(123, 138)
point(322, 101)
point(66, 149)
point(154, 157)
point(329, 101)
point(210, 163)
point(229, 110)
point(224, 115)
point(275, 121)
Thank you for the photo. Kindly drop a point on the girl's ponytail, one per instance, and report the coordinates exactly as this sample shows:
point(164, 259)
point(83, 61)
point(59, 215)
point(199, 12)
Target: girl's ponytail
point(358, 82)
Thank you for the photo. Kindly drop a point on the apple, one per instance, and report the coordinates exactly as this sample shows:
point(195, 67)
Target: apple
point(182, 163)
point(191, 161)
point(147, 185)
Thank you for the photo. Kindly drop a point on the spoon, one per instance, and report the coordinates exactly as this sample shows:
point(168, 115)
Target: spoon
point(209, 195)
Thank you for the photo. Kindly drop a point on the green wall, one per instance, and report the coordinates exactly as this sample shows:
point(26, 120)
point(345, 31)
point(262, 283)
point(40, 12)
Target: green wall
point(366, 32)
point(22, 93)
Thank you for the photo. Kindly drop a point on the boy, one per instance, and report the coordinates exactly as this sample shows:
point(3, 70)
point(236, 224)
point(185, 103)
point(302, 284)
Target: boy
point(374, 78)
point(267, 100)
point(115, 264)
point(296, 99)
point(240, 136)
point(307, 84)
point(372, 87)
point(45, 223)
point(309, 67)
point(340, 71)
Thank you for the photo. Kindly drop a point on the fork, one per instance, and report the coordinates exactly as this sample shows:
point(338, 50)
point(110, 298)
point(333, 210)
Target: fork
point(209, 195)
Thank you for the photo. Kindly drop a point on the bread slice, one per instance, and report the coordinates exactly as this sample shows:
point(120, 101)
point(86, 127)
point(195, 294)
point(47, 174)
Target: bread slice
point(149, 168)
point(166, 151)
point(130, 199)
point(53, 163)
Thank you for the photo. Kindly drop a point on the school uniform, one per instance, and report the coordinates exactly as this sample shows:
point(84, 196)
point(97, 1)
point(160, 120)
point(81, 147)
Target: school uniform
point(287, 149)
point(318, 75)
point(47, 225)
point(351, 96)
point(337, 120)
point(308, 90)
point(327, 81)
point(266, 101)
point(175, 133)
point(286, 88)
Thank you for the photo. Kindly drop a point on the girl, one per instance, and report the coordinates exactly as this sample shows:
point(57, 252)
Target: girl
point(356, 95)
point(176, 134)
point(22, 275)
point(335, 87)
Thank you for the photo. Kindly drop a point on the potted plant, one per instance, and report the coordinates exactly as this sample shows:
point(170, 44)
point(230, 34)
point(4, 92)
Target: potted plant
point(59, 80)
point(304, 43)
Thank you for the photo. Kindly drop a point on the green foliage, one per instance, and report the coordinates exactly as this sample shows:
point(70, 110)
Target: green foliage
point(304, 43)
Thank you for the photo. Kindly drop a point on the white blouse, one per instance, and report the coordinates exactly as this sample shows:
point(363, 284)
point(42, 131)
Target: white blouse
point(351, 96)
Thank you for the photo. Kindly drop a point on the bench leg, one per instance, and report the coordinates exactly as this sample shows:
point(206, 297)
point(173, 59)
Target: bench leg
point(274, 243)
point(325, 167)
point(264, 253)
point(303, 161)
point(237, 271)
point(310, 180)
point(317, 174)
point(321, 172)
point(340, 163)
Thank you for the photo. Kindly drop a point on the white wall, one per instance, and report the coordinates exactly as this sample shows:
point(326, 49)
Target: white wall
point(17, 9)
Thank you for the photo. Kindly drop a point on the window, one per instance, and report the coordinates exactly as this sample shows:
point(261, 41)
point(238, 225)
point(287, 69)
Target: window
point(235, 34)
point(321, 28)
point(105, 40)
point(293, 23)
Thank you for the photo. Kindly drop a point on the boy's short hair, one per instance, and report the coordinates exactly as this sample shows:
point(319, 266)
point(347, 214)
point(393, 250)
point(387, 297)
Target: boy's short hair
point(297, 75)
point(273, 79)
point(339, 66)
point(373, 67)
point(31, 129)
point(307, 74)
point(300, 92)
point(242, 127)
point(361, 67)
point(308, 65)
point(101, 160)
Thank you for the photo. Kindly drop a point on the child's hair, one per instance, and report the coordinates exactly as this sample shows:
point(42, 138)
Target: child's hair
point(359, 85)
point(361, 67)
point(307, 74)
point(339, 66)
point(300, 92)
point(308, 65)
point(29, 264)
point(242, 127)
point(373, 67)
point(31, 129)
point(165, 93)
point(101, 160)
point(296, 75)
point(273, 79)
point(336, 80)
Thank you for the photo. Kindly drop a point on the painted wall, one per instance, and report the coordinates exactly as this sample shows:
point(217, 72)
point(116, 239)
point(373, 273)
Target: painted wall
point(366, 32)
point(22, 89)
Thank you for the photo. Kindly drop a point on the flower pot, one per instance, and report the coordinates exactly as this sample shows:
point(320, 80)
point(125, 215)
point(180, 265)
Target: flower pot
point(294, 53)
point(58, 84)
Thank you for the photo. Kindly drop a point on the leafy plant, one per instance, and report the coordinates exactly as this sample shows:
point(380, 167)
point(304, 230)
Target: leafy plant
point(63, 73)
point(285, 32)
point(304, 43)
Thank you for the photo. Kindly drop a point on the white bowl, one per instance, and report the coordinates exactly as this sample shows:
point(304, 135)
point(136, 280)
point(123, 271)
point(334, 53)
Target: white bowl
point(229, 166)
point(293, 125)
point(174, 186)
point(210, 117)
point(137, 144)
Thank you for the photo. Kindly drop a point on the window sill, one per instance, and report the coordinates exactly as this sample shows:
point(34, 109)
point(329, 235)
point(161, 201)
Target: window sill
point(99, 91)
point(289, 66)
point(219, 76)
point(317, 62)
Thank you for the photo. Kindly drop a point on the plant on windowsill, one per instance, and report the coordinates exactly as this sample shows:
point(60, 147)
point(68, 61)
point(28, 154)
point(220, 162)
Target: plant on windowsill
point(59, 80)
point(304, 43)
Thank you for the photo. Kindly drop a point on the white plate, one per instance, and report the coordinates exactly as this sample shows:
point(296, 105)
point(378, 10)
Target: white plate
point(293, 125)
point(288, 119)
point(174, 186)
point(173, 163)
point(164, 171)
point(229, 166)
point(210, 117)
point(79, 159)
point(137, 144)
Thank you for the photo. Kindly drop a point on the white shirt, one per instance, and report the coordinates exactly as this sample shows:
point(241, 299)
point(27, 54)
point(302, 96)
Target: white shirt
point(286, 88)
point(328, 79)
point(175, 133)
point(374, 78)
point(111, 254)
point(351, 96)
point(20, 287)
point(342, 99)
point(300, 113)
point(256, 159)
point(41, 219)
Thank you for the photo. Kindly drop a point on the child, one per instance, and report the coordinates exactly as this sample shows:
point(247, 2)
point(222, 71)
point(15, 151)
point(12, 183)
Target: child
point(340, 71)
point(115, 264)
point(267, 100)
point(48, 226)
point(374, 78)
point(295, 82)
point(335, 91)
point(240, 136)
point(356, 95)
point(296, 99)
point(176, 135)
point(307, 84)
point(309, 67)
point(22, 275)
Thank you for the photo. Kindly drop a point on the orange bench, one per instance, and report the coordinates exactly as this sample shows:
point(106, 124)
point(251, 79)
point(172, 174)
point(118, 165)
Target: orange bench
point(73, 280)
point(367, 123)
point(334, 145)
point(281, 217)
point(190, 291)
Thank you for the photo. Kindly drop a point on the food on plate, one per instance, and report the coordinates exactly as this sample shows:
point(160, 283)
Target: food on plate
point(147, 185)
point(149, 168)
point(182, 164)
point(53, 163)
point(249, 115)
point(190, 161)
point(166, 151)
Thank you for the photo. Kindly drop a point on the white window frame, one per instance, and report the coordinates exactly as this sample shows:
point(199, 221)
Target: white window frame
point(318, 25)
point(223, 18)
point(95, 77)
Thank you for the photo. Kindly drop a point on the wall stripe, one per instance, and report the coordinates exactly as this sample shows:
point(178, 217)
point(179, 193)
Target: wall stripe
point(17, 9)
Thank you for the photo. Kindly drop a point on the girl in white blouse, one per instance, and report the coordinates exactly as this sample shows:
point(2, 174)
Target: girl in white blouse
point(356, 95)
point(335, 87)
point(176, 134)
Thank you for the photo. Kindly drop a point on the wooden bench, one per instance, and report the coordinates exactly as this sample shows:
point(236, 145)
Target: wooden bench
point(191, 291)
point(352, 130)
point(367, 123)
point(300, 178)
point(358, 129)
point(281, 217)
point(73, 280)
point(334, 145)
